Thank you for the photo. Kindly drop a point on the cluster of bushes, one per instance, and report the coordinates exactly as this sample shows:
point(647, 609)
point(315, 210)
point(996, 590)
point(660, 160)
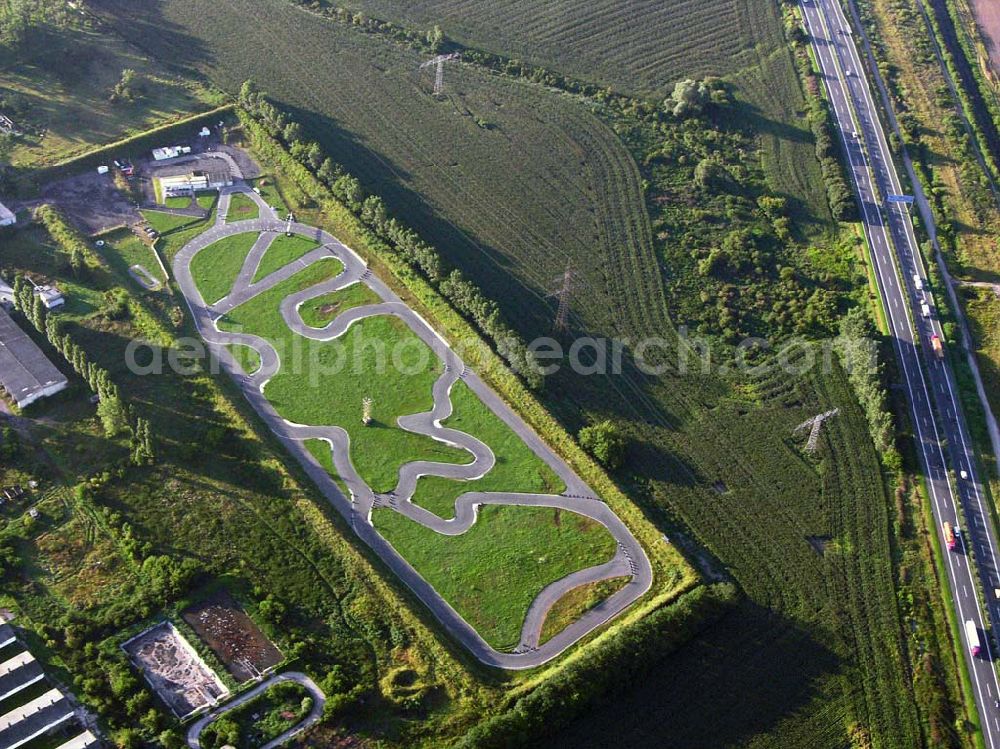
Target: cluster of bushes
point(619, 663)
point(330, 177)
point(606, 442)
point(285, 698)
point(690, 98)
point(68, 239)
point(838, 191)
point(20, 20)
point(858, 349)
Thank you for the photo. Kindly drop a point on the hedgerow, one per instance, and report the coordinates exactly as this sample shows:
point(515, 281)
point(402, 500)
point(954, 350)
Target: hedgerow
point(621, 662)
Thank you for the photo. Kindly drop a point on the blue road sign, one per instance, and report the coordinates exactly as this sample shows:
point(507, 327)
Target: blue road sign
point(900, 199)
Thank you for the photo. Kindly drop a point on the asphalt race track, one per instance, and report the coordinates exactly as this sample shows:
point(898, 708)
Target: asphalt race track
point(629, 560)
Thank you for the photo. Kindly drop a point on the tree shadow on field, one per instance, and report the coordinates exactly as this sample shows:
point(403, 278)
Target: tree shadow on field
point(737, 680)
point(143, 24)
point(745, 115)
point(524, 307)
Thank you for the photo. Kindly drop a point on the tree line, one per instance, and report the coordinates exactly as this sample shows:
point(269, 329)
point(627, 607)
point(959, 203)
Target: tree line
point(116, 416)
point(859, 354)
point(621, 663)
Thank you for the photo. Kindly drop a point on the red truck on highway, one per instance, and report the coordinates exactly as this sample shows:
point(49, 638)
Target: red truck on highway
point(936, 345)
point(949, 536)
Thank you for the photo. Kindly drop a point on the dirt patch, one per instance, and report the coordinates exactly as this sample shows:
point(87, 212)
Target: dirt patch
point(174, 670)
point(326, 310)
point(987, 14)
point(92, 202)
point(231, 634)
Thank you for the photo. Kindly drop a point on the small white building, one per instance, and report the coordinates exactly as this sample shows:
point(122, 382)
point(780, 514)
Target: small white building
point(204, 132)
point(170, 152)
point(7, 217)
point(102, 169)
point(51, 296)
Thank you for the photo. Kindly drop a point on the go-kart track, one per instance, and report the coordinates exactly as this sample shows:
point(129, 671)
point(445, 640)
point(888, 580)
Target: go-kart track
point(629, 559)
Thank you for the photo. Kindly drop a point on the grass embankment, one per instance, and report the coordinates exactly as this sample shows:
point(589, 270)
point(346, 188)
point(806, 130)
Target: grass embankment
point(517, 468)
point(491, 573)
point(983, 309)
point(577, 602)
point(323, 309)
point(320, 449)
point(242, 208)
point(215, 268)
point(122, 249)
point(267, 189)
point(378, 357)
point(283, 250)
point(166, 223)
point(177, 233)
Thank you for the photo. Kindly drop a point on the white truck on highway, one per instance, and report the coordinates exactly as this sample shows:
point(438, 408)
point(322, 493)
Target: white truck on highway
point(972, 635)
point(918, 282)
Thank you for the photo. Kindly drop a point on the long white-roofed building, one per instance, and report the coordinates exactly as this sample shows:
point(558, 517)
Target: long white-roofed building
point(26, 374)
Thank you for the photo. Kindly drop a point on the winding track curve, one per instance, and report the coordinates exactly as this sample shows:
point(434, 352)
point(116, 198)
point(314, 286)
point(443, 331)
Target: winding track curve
point(629, 559)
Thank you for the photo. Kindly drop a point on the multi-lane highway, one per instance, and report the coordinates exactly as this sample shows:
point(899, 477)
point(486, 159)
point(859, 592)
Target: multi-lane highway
point(912, 314)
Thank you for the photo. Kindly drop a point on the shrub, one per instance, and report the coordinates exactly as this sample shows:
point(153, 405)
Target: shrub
point(605, 442)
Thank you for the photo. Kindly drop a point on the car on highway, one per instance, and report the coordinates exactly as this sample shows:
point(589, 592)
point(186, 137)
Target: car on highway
point(918, 282)
point(925, 309)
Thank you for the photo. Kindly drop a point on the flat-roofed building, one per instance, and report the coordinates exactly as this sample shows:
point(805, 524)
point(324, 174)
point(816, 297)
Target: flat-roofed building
point(30, 707)
point(26, 374)
point(193, 181)
point(51, 296)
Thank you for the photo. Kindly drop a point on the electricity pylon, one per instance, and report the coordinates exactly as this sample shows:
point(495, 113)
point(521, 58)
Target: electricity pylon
point(439, 61)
